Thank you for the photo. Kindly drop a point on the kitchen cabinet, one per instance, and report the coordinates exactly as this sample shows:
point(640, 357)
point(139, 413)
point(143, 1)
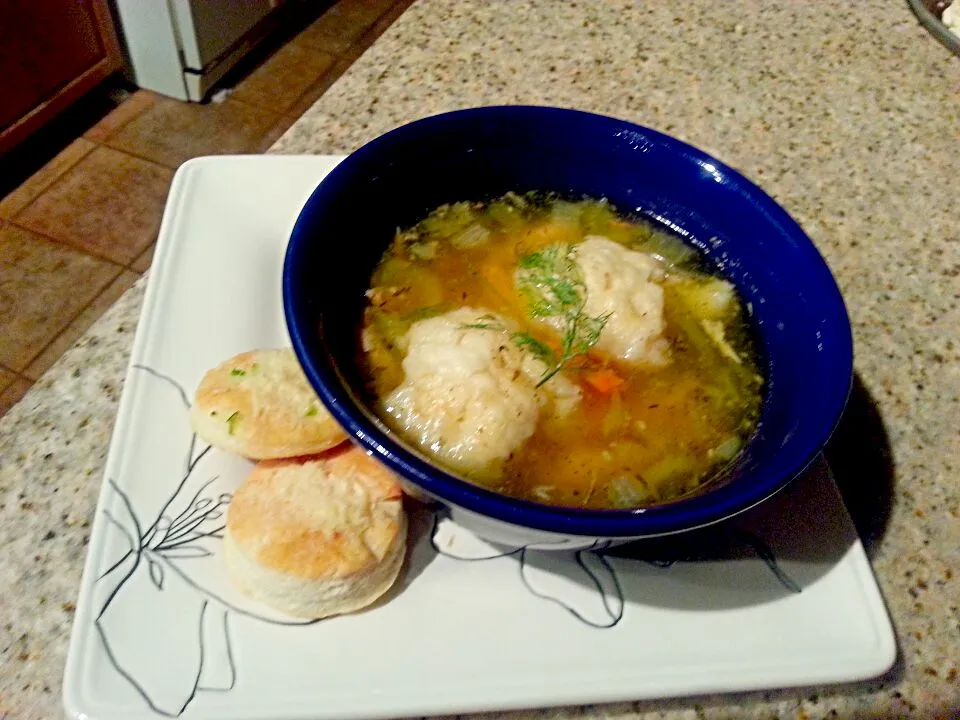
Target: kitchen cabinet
point(51, 53)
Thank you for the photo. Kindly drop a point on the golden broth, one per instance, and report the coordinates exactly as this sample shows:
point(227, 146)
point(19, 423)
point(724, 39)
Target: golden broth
point(641, 435)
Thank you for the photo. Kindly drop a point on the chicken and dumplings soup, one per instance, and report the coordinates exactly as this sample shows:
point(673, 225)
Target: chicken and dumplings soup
point(559, 352)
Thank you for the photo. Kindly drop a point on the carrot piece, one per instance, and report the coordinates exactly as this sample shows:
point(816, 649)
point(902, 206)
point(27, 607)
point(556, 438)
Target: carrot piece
point(500, 282)
point(604, 381)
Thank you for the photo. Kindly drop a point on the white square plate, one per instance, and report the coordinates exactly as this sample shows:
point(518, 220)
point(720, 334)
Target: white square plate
point(784, 598)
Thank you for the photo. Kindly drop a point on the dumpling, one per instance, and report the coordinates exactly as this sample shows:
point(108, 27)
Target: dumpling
point(469, 395)
point(621, 283)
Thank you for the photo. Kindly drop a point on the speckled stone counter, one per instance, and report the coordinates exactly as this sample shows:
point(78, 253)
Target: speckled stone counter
point(848, 113)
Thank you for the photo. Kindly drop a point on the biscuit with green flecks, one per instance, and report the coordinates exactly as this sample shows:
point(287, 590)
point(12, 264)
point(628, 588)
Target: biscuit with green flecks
point(258, 404)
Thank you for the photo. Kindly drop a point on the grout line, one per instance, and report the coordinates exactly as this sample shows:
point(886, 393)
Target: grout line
point(11, 371)
point(75, 248)
point(69, 322)
point(62, 175)
point(142, 158)
point(340, 54)
point(49, 186)
point(122, 125)
point(271, 110)
point(231, 98)
point(342, 61)
point(174, 168)
point(129, 266)
point(258, 108)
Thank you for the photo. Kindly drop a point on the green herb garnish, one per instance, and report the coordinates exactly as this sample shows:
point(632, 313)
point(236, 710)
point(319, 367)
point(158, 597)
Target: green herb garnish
point(311, 411)
point(232, 422)
point(552, 285)
point(484, 322)
point(237, 372)
point(526, 341)
point(551, 281)
point(428, 311)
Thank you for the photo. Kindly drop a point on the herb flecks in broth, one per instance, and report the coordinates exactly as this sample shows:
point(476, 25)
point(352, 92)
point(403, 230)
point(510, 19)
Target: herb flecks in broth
point(559, 352)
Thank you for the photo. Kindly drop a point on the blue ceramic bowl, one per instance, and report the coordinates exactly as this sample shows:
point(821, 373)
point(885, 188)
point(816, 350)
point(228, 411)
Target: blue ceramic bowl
point(397, 179)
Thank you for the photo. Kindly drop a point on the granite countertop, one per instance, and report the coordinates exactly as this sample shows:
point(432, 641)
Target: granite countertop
point(847, 113)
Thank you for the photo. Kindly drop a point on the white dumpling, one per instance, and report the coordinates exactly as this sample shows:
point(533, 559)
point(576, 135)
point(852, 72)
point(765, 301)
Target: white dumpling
point(621, 283)
point(469, 395)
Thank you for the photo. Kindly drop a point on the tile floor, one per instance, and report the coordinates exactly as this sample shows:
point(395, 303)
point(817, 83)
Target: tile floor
point(79, 230)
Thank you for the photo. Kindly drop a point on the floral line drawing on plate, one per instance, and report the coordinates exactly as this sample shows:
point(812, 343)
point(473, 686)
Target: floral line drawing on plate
point(164, 575)
point(591, 561)
point(158, 562)
point(598, 572)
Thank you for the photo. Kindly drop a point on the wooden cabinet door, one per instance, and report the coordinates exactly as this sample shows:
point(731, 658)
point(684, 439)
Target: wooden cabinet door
point(51, 52)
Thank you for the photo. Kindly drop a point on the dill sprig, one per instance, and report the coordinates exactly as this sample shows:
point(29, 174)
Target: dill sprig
point(553, 287)
point(523, 340)
point(551, 283)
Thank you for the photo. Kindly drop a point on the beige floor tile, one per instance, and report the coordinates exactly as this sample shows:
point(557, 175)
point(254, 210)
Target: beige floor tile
point(43, 286)
point(337, 29)
point(347, 57)
point(283, 78)
point(65, 340)
point(108, 204)
point(13, 393)
point(171, 132)
point(44, 177)
point(144, 260)
point(133, 107)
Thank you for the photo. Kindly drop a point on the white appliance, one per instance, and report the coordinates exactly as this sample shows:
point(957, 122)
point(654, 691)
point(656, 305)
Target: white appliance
point(180, 48)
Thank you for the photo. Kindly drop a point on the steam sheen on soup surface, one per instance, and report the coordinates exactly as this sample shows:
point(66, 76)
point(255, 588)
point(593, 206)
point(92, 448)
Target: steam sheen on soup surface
point(558, 352)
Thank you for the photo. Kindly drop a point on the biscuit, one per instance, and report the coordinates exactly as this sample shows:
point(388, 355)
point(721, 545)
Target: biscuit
point(259, 405)
point(316, 536)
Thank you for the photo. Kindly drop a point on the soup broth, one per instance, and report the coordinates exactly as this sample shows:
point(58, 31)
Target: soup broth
point(559, 352)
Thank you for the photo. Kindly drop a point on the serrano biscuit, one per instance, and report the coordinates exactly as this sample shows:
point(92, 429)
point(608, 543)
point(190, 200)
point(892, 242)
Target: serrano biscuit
point(316, 536)
point(259, 405)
